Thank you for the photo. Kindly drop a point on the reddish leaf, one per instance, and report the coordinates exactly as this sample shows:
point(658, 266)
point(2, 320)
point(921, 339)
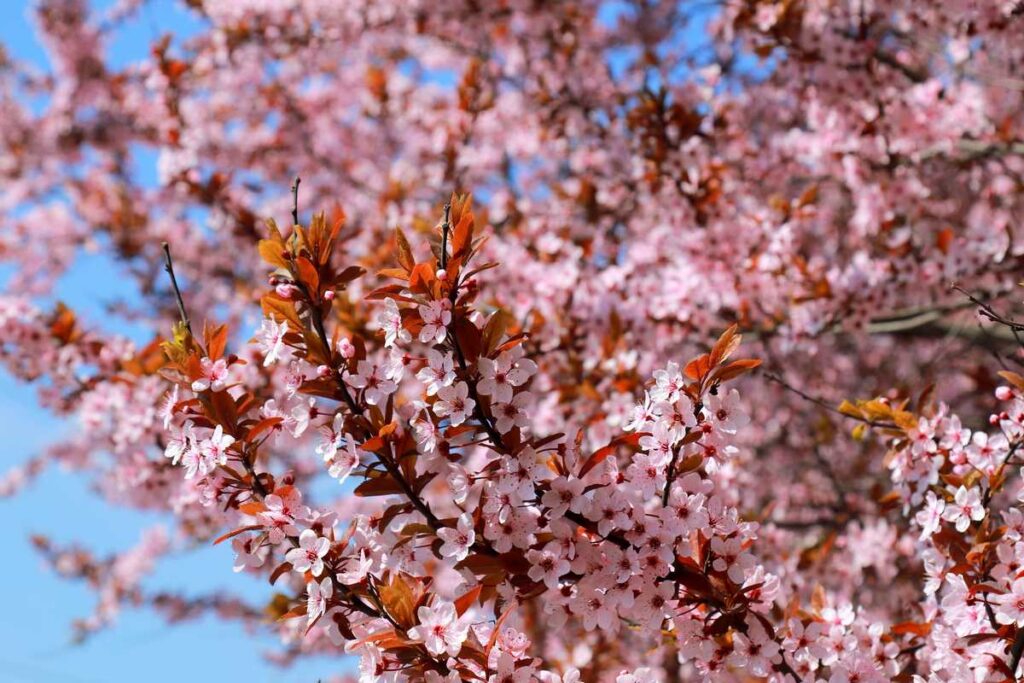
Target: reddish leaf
point(497, 630)
point(383, 485)
point(281, 570)
point(399, 597)
point(216, 341)
point(405, 257)
point(468, 336)
point(232, 534)
point(466, 600)
point(912, 628)
point(307, 271)
point(598, 456)
point(262, 426)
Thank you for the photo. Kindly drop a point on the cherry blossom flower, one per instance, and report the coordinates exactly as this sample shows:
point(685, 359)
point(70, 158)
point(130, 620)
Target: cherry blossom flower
point(426, 435)
point(437, 315)
point(453, 403)
point(390, 320)
point(180, 442)
point(308, 557)
point(439, 629)
point(499, 376)
point(726, 412)
point(565, 494)
point(166, 410)
point(355, 569)
point(375, 385)
point(214, 449)
point(731, 558)
point(301, 415)
point(930, 517)
point(685, 513)
point(1010, 606)
point(214, 375)
point(459, 540)
point(438, 372)
point(965, 508)
point(344, 461)
point(396, 365)
point(271, 340)
point(514, 414)
point(318, 592)
point(754, 650)
point(668, 383)
point(281, 514)
point(985, 452)
point(547, 567)
point(922, 438)
point(345, 348)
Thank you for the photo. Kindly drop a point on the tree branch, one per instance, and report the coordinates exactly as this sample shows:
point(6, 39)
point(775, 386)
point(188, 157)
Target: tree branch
point(295, 200)
point(169, 267)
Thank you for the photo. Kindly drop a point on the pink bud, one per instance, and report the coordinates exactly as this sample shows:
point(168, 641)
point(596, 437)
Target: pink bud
point(329, 295)
point(993, 419)
point(1004, 393)
point(442, 275)
point(285, 290)
point(323, 371)
point(345, 348)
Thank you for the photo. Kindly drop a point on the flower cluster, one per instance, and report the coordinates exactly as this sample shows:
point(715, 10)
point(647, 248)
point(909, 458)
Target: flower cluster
point(481, 514)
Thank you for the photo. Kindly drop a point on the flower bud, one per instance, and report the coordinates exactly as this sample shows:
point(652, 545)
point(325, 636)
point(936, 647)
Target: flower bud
point(329, 295)
point(1004, 393)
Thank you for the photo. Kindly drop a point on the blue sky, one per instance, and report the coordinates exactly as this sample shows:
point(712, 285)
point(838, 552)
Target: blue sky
point(35, 643)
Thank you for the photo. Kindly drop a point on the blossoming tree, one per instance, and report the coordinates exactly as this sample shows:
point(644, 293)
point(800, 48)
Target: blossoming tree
point(550, 459)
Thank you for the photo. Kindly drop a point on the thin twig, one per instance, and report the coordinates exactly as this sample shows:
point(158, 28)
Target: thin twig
point(169, 267)
point(822, 402)
point(988, 312)
point(445, 228)
point(295, 200)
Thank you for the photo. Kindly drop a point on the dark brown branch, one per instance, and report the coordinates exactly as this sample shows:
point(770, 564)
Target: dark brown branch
point(169, 267)
point(295, 200)
point(1016, 651)
point(445, 228)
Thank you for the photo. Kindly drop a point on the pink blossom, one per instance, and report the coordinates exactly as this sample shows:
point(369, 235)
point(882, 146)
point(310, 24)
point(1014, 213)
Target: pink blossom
point(965, 508)
point(319, 593)
point(454, 404)
point(437, 315)
point(376, 387)
point(308, 557)
point(214, 375)
point(438, 372)
point(459, 540)
point(271, 340)
point(390, 320)
point(439, 629)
